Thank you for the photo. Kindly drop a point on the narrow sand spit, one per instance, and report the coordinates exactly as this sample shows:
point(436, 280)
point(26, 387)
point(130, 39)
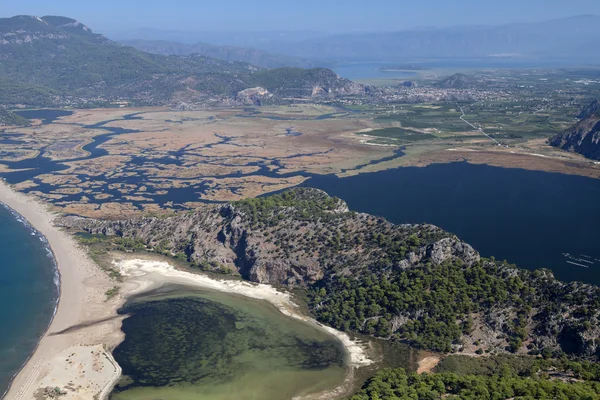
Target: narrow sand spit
point(149, 274)
point(58, 357)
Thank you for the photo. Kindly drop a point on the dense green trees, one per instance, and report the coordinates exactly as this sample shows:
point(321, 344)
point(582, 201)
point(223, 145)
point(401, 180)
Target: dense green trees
point(305, 204)
point(398, 384)
point(8, 118)
point(433, 304)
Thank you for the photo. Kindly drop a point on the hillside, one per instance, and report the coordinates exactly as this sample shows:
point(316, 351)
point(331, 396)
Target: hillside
point(589, 109)
point(583, 137)
point(456, 81)
point(252, 56)
point(8, 118)
point(415, 283)
point(59, 61)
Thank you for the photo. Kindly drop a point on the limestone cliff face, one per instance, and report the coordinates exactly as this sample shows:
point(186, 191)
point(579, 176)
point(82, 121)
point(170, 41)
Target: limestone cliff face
point(583, 137)
point(289, 245)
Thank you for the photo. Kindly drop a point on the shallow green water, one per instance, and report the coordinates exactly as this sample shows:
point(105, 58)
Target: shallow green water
point(218, 346)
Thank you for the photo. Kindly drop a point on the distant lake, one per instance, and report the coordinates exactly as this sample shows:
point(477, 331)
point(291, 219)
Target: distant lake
point(530, 218)
point(368, 70)
point(46, 115)
point(372, 70)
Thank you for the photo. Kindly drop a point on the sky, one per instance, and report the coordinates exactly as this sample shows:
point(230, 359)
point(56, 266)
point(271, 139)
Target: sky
point(313, 15)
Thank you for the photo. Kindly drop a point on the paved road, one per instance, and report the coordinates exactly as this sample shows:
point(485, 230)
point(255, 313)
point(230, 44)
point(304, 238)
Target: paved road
point(476, 128)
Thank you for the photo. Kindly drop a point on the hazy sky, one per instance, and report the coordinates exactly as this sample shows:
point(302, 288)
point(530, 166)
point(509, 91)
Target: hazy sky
point(322, 15)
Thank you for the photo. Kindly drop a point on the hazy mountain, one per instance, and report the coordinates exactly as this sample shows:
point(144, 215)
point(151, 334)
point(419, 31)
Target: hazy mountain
point(456, 81)
point(57, 60)
point(240, 39)
point(554, 38)
point(566, 38)
point(228, 53)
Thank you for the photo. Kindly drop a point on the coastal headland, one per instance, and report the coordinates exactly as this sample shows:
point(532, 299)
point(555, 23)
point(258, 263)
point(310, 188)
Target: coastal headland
point(74, 357)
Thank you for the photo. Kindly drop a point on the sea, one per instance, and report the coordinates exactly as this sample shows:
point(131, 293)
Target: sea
point(29, 285)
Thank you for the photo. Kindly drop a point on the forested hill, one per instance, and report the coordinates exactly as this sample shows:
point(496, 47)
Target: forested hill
point(59, 61)
point(8, 118)
point(415, 283)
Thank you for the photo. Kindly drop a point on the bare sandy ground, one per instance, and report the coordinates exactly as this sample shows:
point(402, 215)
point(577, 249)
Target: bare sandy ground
point(427, 364)
point(65, 360)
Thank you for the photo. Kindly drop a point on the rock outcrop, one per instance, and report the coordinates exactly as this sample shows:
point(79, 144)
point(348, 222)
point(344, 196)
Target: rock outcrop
point(292, 244)
point(583, 137)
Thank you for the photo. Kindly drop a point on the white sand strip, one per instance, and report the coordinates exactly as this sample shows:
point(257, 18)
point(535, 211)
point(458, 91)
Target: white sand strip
point(148, 274)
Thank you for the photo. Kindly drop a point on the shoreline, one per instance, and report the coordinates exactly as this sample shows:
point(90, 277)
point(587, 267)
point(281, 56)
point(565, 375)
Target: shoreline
point(146, 275)
point(143, 275)
point(85, 320)
point(57, 279)
point(81, 301)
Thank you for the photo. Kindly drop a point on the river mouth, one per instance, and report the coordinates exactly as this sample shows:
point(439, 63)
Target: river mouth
point(200, 344)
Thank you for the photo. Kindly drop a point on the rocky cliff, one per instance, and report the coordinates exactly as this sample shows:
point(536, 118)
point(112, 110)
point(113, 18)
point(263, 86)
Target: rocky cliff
point(583, 137)
point(292, 241)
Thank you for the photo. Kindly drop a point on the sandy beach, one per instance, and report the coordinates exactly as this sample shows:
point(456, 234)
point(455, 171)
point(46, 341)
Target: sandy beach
point(78, 358)
point(74, 356)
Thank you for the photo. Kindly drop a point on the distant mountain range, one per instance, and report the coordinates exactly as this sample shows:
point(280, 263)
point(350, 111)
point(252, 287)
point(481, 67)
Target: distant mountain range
point(228, 53)
point(59, 61)
point(567, 39)
point(239, 39)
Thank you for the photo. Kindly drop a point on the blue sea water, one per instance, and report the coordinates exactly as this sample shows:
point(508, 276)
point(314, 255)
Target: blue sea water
point(28, 292)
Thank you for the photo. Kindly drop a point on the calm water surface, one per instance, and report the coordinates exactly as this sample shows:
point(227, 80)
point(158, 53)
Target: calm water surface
point(217, 346)
point(28, 293)
point(531, 218)
point(370, 70)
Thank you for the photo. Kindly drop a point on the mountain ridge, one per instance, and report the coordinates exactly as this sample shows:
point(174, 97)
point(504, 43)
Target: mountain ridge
point(541, 39)
point(52, 61)
point(584, 136)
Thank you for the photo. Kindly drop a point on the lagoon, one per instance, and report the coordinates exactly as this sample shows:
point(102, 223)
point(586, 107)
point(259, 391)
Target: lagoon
point(187, 344)
point(531, 218)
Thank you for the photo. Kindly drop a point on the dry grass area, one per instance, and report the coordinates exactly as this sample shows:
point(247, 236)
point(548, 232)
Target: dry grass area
point(565, 163)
